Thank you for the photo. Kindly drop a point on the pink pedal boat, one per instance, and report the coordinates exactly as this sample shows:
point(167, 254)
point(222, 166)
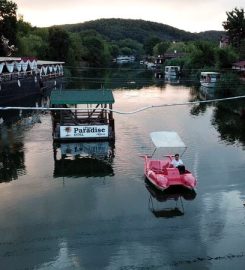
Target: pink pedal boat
point(160, 172)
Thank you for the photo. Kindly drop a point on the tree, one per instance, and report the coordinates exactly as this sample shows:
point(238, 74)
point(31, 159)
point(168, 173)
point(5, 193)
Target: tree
point(8, 23)
point(32, 45)
point(135, 46)
point(96, 50)
point(235, 26)
point(224, 57)
point(202, 54)
point(161, 48)
point(59, 43)
point(150, 44)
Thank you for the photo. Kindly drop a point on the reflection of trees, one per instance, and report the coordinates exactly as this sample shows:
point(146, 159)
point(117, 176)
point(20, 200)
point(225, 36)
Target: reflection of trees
point(229, 124)
point(125, 76)
point(228, 117)
point(198, 109)
point(11, 162)
point(197, 94)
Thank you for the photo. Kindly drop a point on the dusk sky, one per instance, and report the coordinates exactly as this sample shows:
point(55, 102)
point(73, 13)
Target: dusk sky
point(189, 15)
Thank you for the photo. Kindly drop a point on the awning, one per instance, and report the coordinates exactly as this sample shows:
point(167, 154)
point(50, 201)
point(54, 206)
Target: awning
point(62, 97)
point(166, 139)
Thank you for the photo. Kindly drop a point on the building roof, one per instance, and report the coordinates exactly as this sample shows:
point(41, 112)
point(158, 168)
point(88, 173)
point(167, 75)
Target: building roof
point(174, 55)
point(81, 96)
point(239, 64)
point(39, 62)
point(9, 59)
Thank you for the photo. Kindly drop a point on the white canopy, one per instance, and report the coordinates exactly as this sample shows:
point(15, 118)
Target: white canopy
point(166, 139)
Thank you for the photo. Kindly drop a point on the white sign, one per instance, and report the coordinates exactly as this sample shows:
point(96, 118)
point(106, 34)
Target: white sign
point(93, 149)
point(99, 131)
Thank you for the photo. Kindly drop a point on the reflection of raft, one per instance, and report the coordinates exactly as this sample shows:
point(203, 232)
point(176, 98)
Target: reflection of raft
point(90, 159)
point(82, 167)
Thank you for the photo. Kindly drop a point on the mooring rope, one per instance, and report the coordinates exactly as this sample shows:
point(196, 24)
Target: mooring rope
point(129, 112)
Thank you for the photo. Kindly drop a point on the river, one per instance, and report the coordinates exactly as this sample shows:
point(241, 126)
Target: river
point(106, 216)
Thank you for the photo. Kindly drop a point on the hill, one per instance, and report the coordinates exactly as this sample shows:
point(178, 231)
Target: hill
point(140, 30)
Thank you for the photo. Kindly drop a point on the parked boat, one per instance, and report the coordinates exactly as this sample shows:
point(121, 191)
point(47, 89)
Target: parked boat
point(209, 79)
point(150, 65)
point(24, 77)
point(172, 71)
point(160, 172)
point(124, 59)
point(82, 115)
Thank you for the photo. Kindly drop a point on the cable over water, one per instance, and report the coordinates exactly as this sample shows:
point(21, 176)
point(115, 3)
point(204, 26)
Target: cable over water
point(129, 112)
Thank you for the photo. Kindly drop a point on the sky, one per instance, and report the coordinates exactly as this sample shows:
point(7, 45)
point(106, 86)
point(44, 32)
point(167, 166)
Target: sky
point(188, 15)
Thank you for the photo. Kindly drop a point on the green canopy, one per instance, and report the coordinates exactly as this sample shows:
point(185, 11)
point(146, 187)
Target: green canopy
point(70, 97)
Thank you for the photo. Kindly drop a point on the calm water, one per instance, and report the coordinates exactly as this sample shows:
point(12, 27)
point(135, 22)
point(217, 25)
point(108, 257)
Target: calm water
point(103, 215)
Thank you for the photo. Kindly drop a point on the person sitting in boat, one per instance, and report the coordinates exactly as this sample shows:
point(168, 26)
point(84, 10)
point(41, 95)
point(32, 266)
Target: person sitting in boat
point(178, 163)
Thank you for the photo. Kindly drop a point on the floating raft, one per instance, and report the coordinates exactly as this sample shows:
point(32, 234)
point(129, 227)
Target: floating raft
point(82, 115)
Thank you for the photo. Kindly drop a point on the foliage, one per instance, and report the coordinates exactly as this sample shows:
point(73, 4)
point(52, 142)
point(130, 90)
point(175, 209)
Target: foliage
point(59, 43)
point(114, 50)
point(96, 50)
point(150, 44)
point(75, 49)
point(235, 26)
point(32, 45)
point(177, 47)
point(228, 82)
point(161, 47)
point(202, 54)
point(8, 23)
point(139, 30)
point(224, 57)
point(135, 47)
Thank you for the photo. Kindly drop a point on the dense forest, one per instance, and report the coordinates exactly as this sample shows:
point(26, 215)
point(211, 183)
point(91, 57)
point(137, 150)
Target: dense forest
point(139, 30)
point(97, 43)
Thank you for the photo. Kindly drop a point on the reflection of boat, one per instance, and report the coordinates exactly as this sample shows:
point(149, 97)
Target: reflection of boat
point(90, 159)
point(150, 65)
point(206, 92)
point(171, 79)
point(159, 75)
point(209, 79)
point(172, 71)
point(159, 171)
point(19, 116)
point(173, 193)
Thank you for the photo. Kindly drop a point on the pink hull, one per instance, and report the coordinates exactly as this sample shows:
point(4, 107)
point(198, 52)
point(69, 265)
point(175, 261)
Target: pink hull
point(162, 175)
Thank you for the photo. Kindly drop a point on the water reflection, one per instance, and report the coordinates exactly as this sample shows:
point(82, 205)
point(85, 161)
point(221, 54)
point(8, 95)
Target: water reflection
point(11, 162)
point(173, 194)
point(44, 226)
point(228, 116)
point(171, 79)
point(14, 125)
point(84, 159)
point(129, 77)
